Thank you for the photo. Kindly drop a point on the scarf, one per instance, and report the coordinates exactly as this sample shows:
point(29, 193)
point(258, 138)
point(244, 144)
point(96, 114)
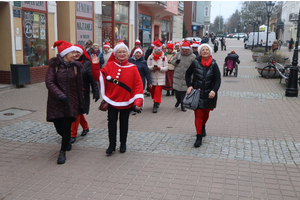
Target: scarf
point(93, 52)
point(156, 57)
point(206, 63)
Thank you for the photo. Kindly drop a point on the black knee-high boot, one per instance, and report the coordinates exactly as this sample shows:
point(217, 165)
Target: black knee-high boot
point(198, 140)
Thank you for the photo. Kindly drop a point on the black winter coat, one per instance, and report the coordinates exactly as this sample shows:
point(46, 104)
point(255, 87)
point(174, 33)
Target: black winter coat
point(61, 81)
point(206, 79)
point(142, 66)
point(88, 82)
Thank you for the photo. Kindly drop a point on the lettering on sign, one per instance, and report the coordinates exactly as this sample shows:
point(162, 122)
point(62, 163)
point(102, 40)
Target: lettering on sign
point(39, 5)
point(84, 31)
point(28, 30)
point(84, 9)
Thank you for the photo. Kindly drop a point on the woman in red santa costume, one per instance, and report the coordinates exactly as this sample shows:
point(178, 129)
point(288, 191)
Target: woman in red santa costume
point(158, 65)
point(121, 87)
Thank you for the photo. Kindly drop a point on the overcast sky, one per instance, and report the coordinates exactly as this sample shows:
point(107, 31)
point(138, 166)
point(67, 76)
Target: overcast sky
point(227, 9)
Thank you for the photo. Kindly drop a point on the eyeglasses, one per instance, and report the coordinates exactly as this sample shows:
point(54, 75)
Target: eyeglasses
point(120, 52)
point(195, 47)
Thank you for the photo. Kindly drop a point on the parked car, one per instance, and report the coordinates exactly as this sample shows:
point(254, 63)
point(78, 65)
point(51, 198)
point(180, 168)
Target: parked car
point(220, 35)
point(241, 35)
point(230, 35)
point(195, 38)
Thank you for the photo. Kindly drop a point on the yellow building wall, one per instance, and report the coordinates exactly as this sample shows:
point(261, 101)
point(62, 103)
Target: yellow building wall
point(66, 19)
point(19, 54)
point(51, 34)
point(5, 39)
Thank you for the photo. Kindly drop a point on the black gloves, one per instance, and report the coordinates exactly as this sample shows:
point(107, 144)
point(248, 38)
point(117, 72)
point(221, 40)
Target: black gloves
point(96, 97)
point(135, 110)
point(177, 61)
point(64, 99)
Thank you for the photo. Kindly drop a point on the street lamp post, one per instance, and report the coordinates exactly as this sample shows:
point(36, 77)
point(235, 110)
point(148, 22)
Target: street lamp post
point(258, 22)
point(292, 88)
point(239, 24)
point(269, 6)
point(253, 32)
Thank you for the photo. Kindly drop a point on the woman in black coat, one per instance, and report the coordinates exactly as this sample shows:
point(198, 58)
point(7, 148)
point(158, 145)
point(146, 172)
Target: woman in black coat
point(142, 66)
point(207, 79)
point(88, 82)
point(65, 97)
point(291, 43)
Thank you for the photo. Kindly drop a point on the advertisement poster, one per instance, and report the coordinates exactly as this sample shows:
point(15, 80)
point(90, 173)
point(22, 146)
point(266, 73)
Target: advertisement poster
point(43, 32)
point(84, 31)
point(35, 30)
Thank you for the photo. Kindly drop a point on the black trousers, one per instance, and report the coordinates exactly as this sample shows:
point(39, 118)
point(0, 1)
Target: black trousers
point(180, 95)
point(63, 128)
point(112, 125)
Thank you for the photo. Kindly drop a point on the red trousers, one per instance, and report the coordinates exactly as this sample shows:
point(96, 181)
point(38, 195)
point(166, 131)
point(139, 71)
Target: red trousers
point(201, 117)
point(80, 119)
point(156, 92)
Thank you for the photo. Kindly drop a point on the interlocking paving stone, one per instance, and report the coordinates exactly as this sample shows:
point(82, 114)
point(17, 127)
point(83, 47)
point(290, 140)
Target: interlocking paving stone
point(267, 151)
point(255, 95)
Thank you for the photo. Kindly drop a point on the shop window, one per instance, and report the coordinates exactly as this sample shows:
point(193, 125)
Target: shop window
point(145, 30)
point(206, 12)
point(121, 33)
point(107, 33)
point(165, 31)
point(121, 11)
point(106, 10)
point(35, 38)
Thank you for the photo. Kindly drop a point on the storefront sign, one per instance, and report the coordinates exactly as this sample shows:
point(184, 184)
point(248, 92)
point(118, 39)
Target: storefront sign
point(28, 30)
point(17, 13)
point(84, 9)
point(42, 32)
point(38, 5)
point(17, 4)
point(84, 31)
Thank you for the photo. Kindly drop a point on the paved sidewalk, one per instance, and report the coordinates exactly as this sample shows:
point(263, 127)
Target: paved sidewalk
point(251, 150)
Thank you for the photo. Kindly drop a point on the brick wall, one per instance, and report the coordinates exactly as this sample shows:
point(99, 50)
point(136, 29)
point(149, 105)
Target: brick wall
point(37, 75)
point(5, 77)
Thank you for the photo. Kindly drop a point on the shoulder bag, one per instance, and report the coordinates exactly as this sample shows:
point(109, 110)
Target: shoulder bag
point(191, 100)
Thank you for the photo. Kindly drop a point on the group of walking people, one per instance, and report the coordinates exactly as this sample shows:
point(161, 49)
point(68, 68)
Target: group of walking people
point(121, 82)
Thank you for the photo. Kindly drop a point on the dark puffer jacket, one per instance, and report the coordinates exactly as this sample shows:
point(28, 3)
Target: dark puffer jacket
point(62, 81)
point(206, 79)
point(88, 82)
point(142, 66)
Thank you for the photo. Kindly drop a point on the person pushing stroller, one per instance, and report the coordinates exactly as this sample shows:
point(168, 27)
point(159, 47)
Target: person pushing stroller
point(230, 61)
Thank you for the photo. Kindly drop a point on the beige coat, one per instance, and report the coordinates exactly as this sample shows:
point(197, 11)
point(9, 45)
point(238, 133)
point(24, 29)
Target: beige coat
point(106, 55)
point(169, 58)
point(158, 77)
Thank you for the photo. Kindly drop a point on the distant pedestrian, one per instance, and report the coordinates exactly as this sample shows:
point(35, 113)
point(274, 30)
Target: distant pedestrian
point(216, 46)
point(280, 44)
point(177, 46)
point(137, 45)
point(65, 95)
point(88, 46)
point(158, 65)
point(181, 61)
point(207, 79)
point(170, 73)
point(274, 46)
point(291, 43)
point(107, 51)
point(223, 45)
point(97, 52)
point(195, 46)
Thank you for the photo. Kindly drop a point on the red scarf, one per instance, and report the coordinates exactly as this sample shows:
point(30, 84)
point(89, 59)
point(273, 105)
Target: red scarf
point(206, 63)
point(156, 57)
point(93, 52)
point(82, 61)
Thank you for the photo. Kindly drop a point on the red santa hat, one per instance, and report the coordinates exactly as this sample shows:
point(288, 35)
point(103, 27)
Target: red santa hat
point(106, 45)
point(118, 46)
point(121, 41)
point(177, 43)
point(137, 42)
point(196, 44)
point(170, 46)
point(157, 45)
point(170, 41)
point(63, 47)
point(82, 51)
point(138, 50)
point(186, 45)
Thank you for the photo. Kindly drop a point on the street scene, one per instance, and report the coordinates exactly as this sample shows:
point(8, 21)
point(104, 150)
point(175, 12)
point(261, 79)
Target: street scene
point(251, 150)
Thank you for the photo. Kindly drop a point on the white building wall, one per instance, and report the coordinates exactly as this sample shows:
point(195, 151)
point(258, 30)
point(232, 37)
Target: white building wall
point(287, 8)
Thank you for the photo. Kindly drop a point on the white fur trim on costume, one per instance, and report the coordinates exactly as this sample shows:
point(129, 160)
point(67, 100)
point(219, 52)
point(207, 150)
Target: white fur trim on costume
point(205, 45)
point(53, 48)
point(138, 50)
point(195, 45)
point(177, 44)
point(126, 66)
point(78, 49)
point(185, 47)
point(119, 46)
point(67, 50)
point(114, 103)
point(106, 46)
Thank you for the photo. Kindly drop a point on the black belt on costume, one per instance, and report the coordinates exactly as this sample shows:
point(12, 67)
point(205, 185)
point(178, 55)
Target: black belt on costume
point(117, 82)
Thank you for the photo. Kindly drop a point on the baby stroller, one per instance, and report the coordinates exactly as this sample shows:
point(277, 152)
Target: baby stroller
point(230, 65)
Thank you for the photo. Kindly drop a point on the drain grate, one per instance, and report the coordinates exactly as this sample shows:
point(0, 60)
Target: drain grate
point(13, 113)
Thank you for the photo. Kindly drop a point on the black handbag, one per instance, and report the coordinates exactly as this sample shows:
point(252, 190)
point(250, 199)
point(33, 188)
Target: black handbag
point(191, 100)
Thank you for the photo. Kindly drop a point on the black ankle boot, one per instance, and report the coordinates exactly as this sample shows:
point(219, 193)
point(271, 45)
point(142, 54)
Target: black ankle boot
point(183, 108)
point(123, 148)
point(177, 103)
point(154, 108)
point(110, 150)
point(168, 93)
point(69, 147)
point(61, 157)
point(172, 93)
point(203, 132)
point(198, 140)
point(84, 132)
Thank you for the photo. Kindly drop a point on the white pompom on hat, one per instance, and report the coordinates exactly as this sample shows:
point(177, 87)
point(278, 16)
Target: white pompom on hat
point(204, 45)
point(137, 42)
point(63, 47)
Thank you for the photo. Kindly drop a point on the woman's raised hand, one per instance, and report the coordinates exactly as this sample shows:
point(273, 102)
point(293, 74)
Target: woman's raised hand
point(95, 59)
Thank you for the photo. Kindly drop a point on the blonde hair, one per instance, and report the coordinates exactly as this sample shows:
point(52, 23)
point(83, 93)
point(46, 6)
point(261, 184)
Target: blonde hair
point(95, 45)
